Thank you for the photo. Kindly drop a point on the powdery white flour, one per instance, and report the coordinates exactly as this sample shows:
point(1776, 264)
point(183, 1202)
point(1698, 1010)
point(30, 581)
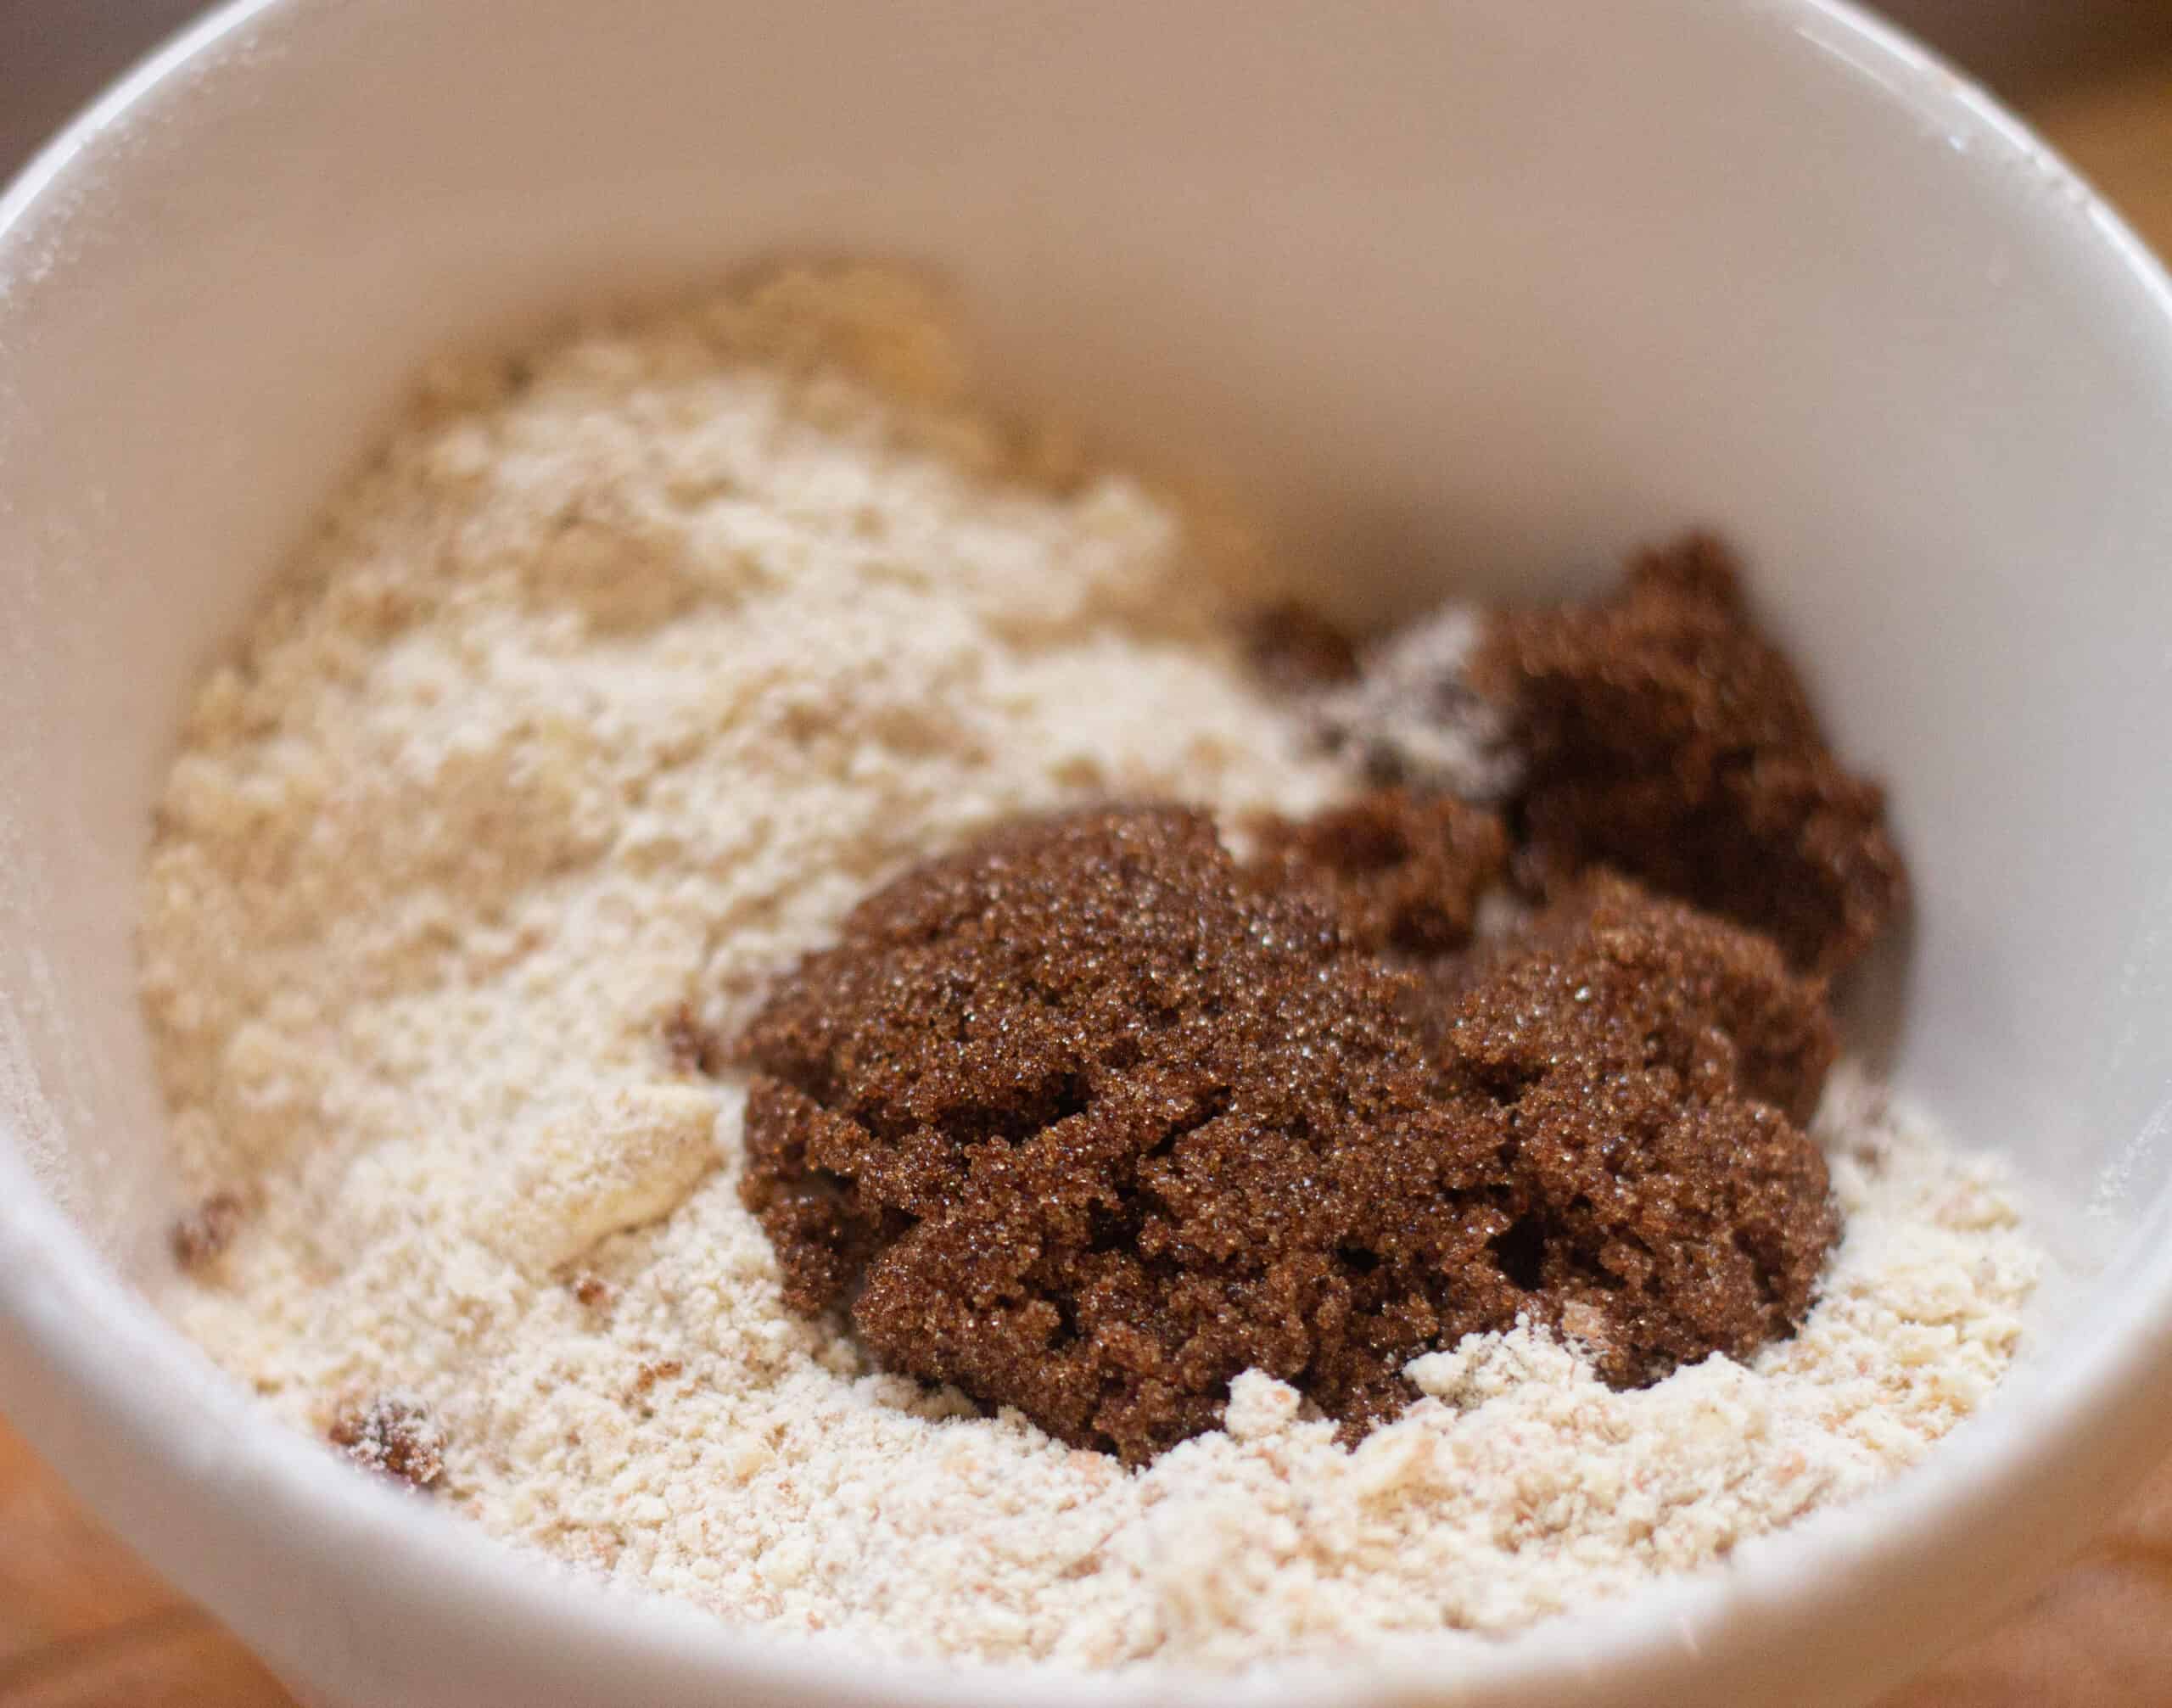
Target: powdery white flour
point(607, 689)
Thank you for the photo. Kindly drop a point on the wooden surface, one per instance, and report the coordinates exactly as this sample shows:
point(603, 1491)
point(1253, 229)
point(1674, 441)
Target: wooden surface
point(82, 1624)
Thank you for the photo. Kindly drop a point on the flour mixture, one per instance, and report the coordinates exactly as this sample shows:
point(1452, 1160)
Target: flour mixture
point(608, 690)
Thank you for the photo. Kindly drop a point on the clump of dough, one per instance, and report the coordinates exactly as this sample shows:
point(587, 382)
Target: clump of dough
point(608, 1164)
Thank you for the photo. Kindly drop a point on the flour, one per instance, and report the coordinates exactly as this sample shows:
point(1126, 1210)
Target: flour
point(602, 694)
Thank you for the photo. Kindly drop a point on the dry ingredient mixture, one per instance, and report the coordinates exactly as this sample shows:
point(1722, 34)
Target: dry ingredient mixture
point(532, 1164)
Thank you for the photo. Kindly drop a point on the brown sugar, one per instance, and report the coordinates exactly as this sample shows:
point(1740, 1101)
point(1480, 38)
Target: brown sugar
point(1663, 736)
point(1093, 1125)
point(1088, 1119)
point(1653, 1061)
point(689, 1045)
point(650, 1372)
point(590, 1290)
point(1405, 871)
point(394, 1437)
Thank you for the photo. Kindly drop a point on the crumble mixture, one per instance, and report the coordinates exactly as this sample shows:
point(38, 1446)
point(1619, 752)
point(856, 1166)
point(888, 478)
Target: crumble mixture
point(602, 697)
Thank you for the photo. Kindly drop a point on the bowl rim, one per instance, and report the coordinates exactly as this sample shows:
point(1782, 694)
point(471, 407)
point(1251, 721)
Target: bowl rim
point(1940, 1548)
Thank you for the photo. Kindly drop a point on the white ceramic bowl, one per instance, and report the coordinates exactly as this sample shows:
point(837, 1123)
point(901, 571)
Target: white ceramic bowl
point(1465, 288)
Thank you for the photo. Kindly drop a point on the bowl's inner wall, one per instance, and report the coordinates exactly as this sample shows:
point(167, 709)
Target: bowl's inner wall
point(1483, 318)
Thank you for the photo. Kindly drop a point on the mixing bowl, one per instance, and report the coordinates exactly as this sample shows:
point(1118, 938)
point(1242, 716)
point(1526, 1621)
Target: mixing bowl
point(1462, 293)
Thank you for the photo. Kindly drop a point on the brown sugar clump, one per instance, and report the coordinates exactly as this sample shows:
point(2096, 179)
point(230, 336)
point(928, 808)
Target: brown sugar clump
point(394, 1437)
point(1086, 1122)
point(1088, 1119)
point(590, 1290)
point(1649, 1059)
point(690, 1047)
point(1662, 735)
point(1405, 871)
point(649, 1373)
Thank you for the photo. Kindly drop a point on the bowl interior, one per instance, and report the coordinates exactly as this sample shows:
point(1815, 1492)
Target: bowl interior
point(1461, 296)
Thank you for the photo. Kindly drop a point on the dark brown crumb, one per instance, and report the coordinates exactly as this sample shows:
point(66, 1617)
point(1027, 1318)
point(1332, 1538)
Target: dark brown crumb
point(691, 1046)
point(1087, 1119)
point(202, 1236)
point(653, 1371)
point(1405, 871)
point(589, 1289)
point(1295, 649)
point(394, 1437)
point(1649, 1058)
point(1663, 736)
